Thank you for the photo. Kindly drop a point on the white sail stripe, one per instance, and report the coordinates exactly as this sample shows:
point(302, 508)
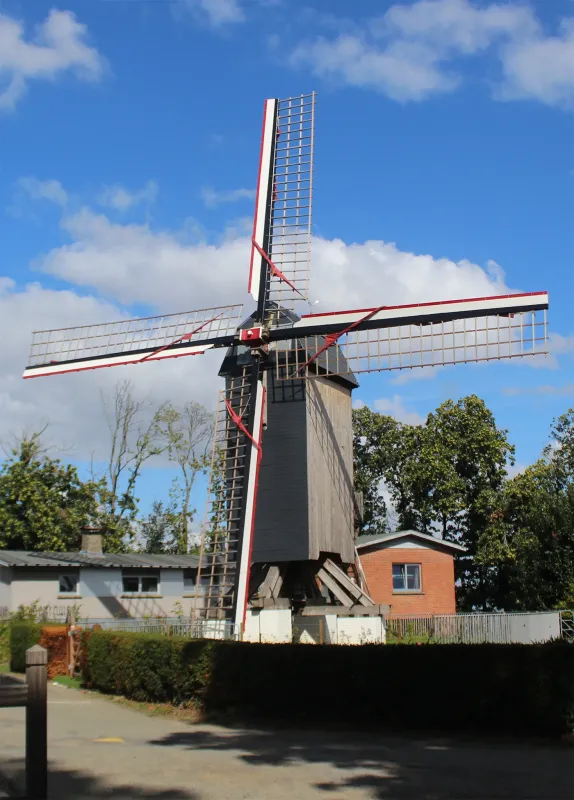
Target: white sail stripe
point(113, 361)
point(417, 314)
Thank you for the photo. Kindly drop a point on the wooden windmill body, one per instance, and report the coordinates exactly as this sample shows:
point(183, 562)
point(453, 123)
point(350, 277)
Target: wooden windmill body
point(279, 526)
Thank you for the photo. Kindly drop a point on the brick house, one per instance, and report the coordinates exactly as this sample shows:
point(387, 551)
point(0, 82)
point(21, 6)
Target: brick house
point(410, 571)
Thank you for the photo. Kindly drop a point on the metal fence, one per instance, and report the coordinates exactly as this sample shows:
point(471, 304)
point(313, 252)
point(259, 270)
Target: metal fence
point(499, 628)
point(169, 626)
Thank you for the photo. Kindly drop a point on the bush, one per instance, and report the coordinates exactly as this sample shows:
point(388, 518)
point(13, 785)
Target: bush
point(512, 688)
point(147, 667)
point(4, 641)
point(55, 639)
point(23, 634)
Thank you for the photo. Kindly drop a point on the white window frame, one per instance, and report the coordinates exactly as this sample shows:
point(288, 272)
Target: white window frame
point(66, 592)
point(139, 575)
point(405, 566)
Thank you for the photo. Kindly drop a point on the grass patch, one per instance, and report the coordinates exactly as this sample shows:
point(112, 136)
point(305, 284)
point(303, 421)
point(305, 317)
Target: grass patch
point(5, 667)
point(71, 683)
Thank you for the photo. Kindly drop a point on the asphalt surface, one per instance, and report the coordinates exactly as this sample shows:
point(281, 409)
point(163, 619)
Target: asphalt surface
point(100, 749)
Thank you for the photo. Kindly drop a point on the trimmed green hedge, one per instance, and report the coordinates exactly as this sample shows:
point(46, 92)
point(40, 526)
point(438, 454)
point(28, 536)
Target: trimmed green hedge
point(526, 689)
point(23, 634)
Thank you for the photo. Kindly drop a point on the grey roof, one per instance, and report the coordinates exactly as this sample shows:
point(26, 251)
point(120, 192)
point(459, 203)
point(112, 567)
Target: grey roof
point(26, 558)
point(366, 541)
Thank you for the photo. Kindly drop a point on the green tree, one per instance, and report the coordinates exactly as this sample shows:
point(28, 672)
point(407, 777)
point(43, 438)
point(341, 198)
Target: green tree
point(444, 477)
point(376, 444)
point(43, 502)
point(529, 548)
point(186, 435)
point(465, 461)
point(161, 530)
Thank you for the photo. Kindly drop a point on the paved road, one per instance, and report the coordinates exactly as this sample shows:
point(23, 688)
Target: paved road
point(161, 759)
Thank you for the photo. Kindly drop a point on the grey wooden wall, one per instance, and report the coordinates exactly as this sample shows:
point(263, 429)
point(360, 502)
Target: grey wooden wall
point(330, 469)
point(305, 499)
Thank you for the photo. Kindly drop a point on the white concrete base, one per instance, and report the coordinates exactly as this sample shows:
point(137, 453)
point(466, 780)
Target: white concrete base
point(268, 625)
point(333, 629)
point(274, 625)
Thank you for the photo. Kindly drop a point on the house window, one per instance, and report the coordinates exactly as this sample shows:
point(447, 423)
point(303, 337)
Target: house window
point(190, 583)
point(406, 577)
point(189, 578)
point(140, 583)
point(68, 583)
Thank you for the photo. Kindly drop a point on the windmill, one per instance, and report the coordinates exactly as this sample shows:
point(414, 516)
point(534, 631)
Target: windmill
point(283, 439)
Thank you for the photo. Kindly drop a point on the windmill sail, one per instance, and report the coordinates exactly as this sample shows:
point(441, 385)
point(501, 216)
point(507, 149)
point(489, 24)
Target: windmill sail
point(131, 341)
point(425, 335)
point(281, 242)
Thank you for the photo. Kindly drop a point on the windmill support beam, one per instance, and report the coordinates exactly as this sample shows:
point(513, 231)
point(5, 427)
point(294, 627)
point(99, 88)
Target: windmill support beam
point(376, 610)
point(351, 588)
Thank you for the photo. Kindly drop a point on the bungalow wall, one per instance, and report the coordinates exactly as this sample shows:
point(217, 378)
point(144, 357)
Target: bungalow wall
point(100, 592)
point(5, 588)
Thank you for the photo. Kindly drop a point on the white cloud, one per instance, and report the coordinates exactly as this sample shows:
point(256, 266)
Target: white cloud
point(414, 51)
point(213, 198)
point(518, 468)
point(217, 12)
point(403, 70)
point(457, 25)
point(59, 46)
point(541, 69)
point(50, 190)
point(561, 344)
point(544, 389)
point(131, 263)
point(134, 264)
point(122, 199)
point(395, 407)
point(421, 374)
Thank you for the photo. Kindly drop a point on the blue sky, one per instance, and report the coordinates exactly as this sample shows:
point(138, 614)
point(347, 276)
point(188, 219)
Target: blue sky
point(129, 135)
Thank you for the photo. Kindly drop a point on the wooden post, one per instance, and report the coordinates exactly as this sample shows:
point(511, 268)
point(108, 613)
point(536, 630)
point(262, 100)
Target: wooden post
point(36, 723)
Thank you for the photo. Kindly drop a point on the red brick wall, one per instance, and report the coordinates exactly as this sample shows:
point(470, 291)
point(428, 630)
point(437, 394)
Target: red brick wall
point(437, 579)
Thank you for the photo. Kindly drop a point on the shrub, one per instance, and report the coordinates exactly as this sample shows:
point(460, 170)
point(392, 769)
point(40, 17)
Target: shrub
point(55, 639)
point(23, 634)
point(4, 641)
point(146, 667)
point(512, 688)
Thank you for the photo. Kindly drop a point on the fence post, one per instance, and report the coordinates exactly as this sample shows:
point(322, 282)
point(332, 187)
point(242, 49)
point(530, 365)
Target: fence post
point(36, 723)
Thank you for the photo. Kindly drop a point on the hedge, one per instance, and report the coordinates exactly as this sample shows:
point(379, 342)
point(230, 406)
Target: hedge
point(526, 689)
point(23, 634)
point(4, 641)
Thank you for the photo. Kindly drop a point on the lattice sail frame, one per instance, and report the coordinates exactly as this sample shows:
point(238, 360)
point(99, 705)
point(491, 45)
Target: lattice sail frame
point(434, 344)
point(132, 341)
point(223, 573)
point(281, 242)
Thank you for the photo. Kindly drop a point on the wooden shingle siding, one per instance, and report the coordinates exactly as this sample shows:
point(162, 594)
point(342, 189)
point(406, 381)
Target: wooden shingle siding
point(330, 469)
